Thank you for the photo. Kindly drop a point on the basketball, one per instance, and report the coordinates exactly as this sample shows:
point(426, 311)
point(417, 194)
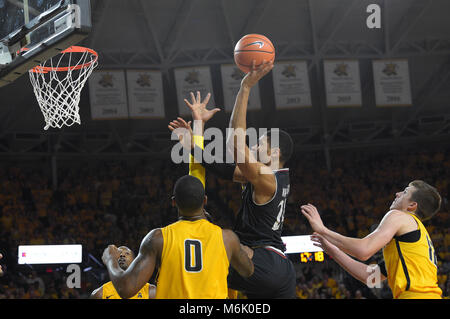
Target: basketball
point(253, 47)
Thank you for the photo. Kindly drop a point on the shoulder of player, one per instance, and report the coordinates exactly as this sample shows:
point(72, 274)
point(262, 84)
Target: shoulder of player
point(227, 232)
point(395, 213)
point(153, 240)
point(266, 180)
point(396, 216)
point(229, 236)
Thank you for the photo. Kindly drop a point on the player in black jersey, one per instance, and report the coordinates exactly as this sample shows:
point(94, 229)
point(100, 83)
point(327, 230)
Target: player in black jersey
point(265, 190)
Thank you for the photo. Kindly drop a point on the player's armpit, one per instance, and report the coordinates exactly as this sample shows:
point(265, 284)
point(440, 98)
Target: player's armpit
point(382, 268)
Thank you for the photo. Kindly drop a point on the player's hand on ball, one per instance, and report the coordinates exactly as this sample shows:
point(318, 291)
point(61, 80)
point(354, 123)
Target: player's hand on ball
point(256, 73)
point(111, 252)
point(184, 132)
point(311, 213)
point(198, 107)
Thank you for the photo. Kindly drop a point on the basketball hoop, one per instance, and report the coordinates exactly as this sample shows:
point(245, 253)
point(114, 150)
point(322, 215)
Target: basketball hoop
point(57, 85)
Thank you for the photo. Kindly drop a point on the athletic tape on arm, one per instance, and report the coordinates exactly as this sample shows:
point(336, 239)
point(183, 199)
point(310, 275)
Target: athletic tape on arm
point(196, 169)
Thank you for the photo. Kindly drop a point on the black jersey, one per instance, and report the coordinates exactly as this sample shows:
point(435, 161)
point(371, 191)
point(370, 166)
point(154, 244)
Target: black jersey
point(261, 225)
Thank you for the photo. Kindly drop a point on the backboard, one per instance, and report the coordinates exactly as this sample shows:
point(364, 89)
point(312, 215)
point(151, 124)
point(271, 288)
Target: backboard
point(33, 31)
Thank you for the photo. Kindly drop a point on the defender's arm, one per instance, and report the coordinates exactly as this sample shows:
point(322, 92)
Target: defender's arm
point(129, 282)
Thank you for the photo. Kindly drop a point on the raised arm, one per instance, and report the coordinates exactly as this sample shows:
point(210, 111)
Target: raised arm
point(129, 282)
point(260, 175)
point(185, 134)
point(238, 258)
point(361, 248)
point(364, 273)
point(200, 115)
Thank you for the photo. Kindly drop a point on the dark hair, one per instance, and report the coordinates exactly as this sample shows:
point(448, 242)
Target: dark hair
point(285, 143)
point(427, 198)
point(189, 194)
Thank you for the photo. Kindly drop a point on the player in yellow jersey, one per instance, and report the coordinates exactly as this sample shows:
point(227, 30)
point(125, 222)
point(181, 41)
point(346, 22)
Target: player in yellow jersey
point(107, 291)
point(193, 254)
point(410, 264)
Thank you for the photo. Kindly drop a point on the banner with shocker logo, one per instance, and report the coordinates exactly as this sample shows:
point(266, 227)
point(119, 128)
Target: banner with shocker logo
point(145, 94)
point(108, 95)
point(392, 83)
point(291, 84)
point(342, 83)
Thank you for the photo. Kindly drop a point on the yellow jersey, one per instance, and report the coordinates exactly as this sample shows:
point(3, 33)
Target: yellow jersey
point(411, 266)
point(109, 292)
point(194, 262)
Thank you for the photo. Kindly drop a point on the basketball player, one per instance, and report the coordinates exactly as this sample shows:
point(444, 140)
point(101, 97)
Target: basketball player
point(107, 291)
point(193, 254)
point(410, 264)
point(265, 191)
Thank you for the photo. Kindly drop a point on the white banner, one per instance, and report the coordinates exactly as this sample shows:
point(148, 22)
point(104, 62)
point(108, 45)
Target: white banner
point(192, 79)
point(231, 82)
point(145, 94)
point(291, 84)
point(392, 83)
point(342, 82)
point(108, 95)
point(299, 244)
point(50, 254)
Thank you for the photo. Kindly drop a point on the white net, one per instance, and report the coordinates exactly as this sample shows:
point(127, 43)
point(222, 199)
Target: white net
point(57, 85)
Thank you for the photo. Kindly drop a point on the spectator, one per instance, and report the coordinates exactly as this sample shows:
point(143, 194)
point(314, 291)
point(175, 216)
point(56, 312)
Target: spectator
point(93, 200)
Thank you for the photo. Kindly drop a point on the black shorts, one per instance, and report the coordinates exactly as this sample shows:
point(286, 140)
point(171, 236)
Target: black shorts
point(273, 278)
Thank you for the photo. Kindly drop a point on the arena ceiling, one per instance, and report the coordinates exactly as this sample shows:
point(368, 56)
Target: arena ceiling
point(165, 34)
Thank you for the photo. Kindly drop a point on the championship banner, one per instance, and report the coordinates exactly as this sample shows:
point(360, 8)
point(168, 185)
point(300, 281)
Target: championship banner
point(342, 83)
point(108, 95)
point(192, 79)
point(145, 94)
point(231, 83)
point(291, 84)
point(392, 83)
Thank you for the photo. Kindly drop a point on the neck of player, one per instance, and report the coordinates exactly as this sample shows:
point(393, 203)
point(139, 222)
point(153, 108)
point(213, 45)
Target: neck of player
point(196, 216)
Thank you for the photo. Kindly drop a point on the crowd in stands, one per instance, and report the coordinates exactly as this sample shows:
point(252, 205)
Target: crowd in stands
point(100, 203)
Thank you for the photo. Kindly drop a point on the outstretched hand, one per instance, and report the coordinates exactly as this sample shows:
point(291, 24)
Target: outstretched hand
point(110, 252)
point(311, 213)
point(198, 107)
point(320, 241)
point(184, 132)
point(256, 73)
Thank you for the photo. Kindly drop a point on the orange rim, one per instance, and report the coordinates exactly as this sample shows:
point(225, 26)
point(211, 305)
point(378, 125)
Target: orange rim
point(77, 49)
